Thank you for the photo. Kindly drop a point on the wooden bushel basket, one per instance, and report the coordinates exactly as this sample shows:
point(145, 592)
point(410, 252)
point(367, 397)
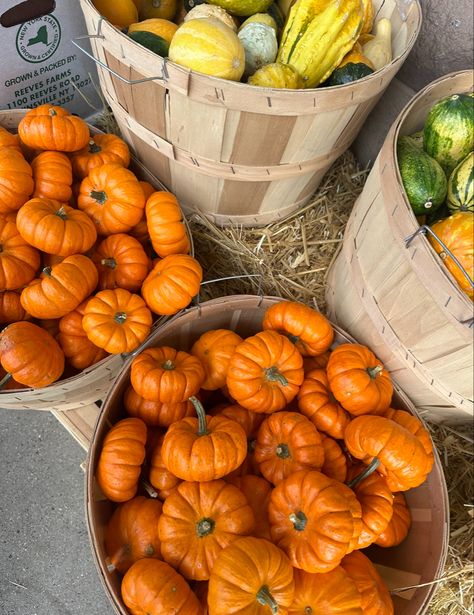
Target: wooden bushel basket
point(418, 560)
point(92, 383)
point(236, 153)
point(394, 294)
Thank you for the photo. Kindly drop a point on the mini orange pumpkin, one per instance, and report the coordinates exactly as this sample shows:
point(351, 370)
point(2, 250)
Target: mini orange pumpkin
point(116, 320)
point(30, 354)
point(155, 413)
point(52, 174)
point(101, 149)
point(335, 462)
point(172, 284)
point(319, 361)
point(48, 127)
point(132, 533)
point(375, 597)
point(198, 521)
point(18, 260)
point(55, 228)
point(160, 477)
point(113, 198)
point(316, 401)
point(121, 458)
point(257, 490)
point(16, 180)
point(165, 224)
point(214, 349)
point(358, 380)
point(399, 525)
point(78, 349)
point(121, 262)
point(167, 375)
point(309, 330)
point(7, 139)
point(287, 442)
point(61, 288)
point(265, 372)
point(11, 309)
point(203, 448)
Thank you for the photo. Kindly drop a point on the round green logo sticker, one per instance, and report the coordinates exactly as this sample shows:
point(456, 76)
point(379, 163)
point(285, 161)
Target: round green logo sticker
point(38, 39)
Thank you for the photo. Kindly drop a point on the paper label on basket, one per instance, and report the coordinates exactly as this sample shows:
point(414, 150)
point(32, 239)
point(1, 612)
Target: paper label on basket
point(40, 64)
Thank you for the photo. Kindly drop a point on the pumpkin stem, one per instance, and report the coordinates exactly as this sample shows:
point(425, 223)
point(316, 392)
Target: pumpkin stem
point(109, 262)
point(156, 4)
point(374, 464)
point(120, 317)
point(202, 425)
point(272, 374)
point(4, 380)
point(308, 610)
point(93, 147)
point(374, 371)
point(204, 527)
point(168, 365)
point(47, 271)
point(294, 339)
point(251, 443)
point(62, 213)
point(299, 520)
point(110, 565)
point(282, 451)
point(52, 112)
point(149, 488)
point(98, 195)
point(265, 598)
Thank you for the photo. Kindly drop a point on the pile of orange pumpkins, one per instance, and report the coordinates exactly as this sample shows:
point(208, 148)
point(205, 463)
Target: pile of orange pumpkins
point(262, 503)
point(78, 235)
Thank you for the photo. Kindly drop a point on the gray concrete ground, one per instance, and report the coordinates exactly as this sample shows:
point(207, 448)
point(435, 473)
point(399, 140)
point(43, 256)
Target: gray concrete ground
point(46, 565)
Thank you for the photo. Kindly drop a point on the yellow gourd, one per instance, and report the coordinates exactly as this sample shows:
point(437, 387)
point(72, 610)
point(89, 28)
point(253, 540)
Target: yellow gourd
point(356, 56)
point(264, 18)
point(162, 9)
point(368, 19)
point(243, 8)
point(120, 13)
point(161, 27)
point(210, 47)
point(317, 35)
point(204, 11)
point(379, 49)
point(276, 76)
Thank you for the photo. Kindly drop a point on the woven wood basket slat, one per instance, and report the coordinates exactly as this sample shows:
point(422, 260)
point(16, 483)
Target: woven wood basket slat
point(237, 153)
point(400, 300)
point(419, 559)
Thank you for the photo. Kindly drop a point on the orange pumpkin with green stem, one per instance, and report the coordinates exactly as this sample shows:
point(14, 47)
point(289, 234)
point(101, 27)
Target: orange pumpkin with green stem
point(101, 149)
point(55, 228)
point(166, 375)
point(309, 330)
point(113, 198)
point(49, 127)
point(121, 458)
point(199, 520)
point(52, 174)
point(286, 443)
point(30, 355)
point(117, 320)
point(358, 380)
point(132, 533)
point(165, 224)
point(61, 288)
point(203, 448)
point(265, 372)
point(214, 349)
point(121, 262)
point(19, 261)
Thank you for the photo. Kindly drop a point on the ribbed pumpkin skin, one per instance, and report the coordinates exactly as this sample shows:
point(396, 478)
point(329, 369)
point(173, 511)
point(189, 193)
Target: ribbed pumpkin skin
point(457, 232)
point(160, 477)
point(335, 462)
point(30, 354)
point(61, 289)
point(400, 523)
point(18, 260)
point(152, 587)
point(375, 596)
point(11, 309)
point(331, 593)
point(52, 174)
point(121, 458)
point(132, 532)
point(155, 413)
point(198, 521)
point(461, 186)
point(101, 149)
point(214, 349)
point(317, 35)
point(49, 127)
point(276, 75)
point(55, 228)
point(257, 490)
point(165, 224)
point(7, 139)
point(242, 570)
point(210, 47)
point(16, 180)
point(78, 349)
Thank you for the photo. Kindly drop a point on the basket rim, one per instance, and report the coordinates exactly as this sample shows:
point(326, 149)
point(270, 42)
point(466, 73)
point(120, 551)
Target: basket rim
point(257, 301)
point(217, 82)
point(15, 394)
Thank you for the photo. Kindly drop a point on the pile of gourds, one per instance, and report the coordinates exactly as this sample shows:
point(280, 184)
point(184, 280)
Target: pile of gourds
point(264, 501)
point(78, 232)
point(437, 170)
point(277, 45)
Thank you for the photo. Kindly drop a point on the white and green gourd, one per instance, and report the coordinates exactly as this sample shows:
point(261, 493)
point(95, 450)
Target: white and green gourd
point(260, 44)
